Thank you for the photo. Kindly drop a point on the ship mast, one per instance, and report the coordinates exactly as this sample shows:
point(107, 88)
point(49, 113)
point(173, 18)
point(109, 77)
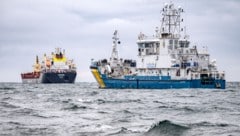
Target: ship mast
point(171, 21)
point(37, 66)
point(116, 41)
point(37, 61)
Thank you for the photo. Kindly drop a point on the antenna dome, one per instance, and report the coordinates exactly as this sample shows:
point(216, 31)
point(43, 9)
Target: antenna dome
point(179, 7)
point(166, 5)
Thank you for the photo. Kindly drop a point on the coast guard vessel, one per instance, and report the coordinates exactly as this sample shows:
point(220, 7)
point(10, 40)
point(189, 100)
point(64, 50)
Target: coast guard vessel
point(53, 69)
point(165, 60)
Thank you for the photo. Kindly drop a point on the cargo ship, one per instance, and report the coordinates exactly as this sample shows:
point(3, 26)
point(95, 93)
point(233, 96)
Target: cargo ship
point(165, 60)
point(52, 69)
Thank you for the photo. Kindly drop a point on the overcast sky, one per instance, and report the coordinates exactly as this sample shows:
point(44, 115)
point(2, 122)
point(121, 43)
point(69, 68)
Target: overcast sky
point(84, 29)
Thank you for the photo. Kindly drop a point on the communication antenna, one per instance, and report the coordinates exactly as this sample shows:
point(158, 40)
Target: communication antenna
point(116, 41)
point(171, 21)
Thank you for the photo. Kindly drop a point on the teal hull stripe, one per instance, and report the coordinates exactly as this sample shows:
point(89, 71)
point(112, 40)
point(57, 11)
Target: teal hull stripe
point(161, 84)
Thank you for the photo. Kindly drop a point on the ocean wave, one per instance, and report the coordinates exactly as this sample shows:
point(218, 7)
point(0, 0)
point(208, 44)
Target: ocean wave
point(127, 112)
point(7, 88)
point(74, 110)
point(166, 128)
point(20, 128)
point(232, 90)
point(74, 107)
point(44, 116)
point(24, 112)
point(87, 101)
point(102, 101)
point(103, 112)
point(6, 98)
point(35, 130)
point(164, 107)
point(187, 109)
point(155, 101)
point(66, 101)
point(120, 132)
point(7, 127)
point(8, 105)
point(93, 93)
point(209, 124)
point(14, 123)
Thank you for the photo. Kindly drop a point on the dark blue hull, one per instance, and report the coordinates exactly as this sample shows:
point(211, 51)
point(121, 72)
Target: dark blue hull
point(58, 77)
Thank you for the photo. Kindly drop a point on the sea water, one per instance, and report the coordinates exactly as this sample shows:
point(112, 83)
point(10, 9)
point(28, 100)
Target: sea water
point(82, 109)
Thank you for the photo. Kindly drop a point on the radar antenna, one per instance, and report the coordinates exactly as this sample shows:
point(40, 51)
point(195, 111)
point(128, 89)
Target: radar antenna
point(171, 20)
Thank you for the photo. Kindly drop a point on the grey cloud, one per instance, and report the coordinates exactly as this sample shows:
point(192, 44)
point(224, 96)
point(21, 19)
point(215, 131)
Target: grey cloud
point(84, 28)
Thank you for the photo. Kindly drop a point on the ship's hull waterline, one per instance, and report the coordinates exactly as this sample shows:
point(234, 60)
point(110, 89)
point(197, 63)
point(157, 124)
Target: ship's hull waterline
point(50, 77)
point(155, 82)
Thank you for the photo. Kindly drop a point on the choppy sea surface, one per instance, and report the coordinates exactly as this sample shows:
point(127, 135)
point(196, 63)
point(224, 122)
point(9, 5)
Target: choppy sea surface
point(81, 109)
